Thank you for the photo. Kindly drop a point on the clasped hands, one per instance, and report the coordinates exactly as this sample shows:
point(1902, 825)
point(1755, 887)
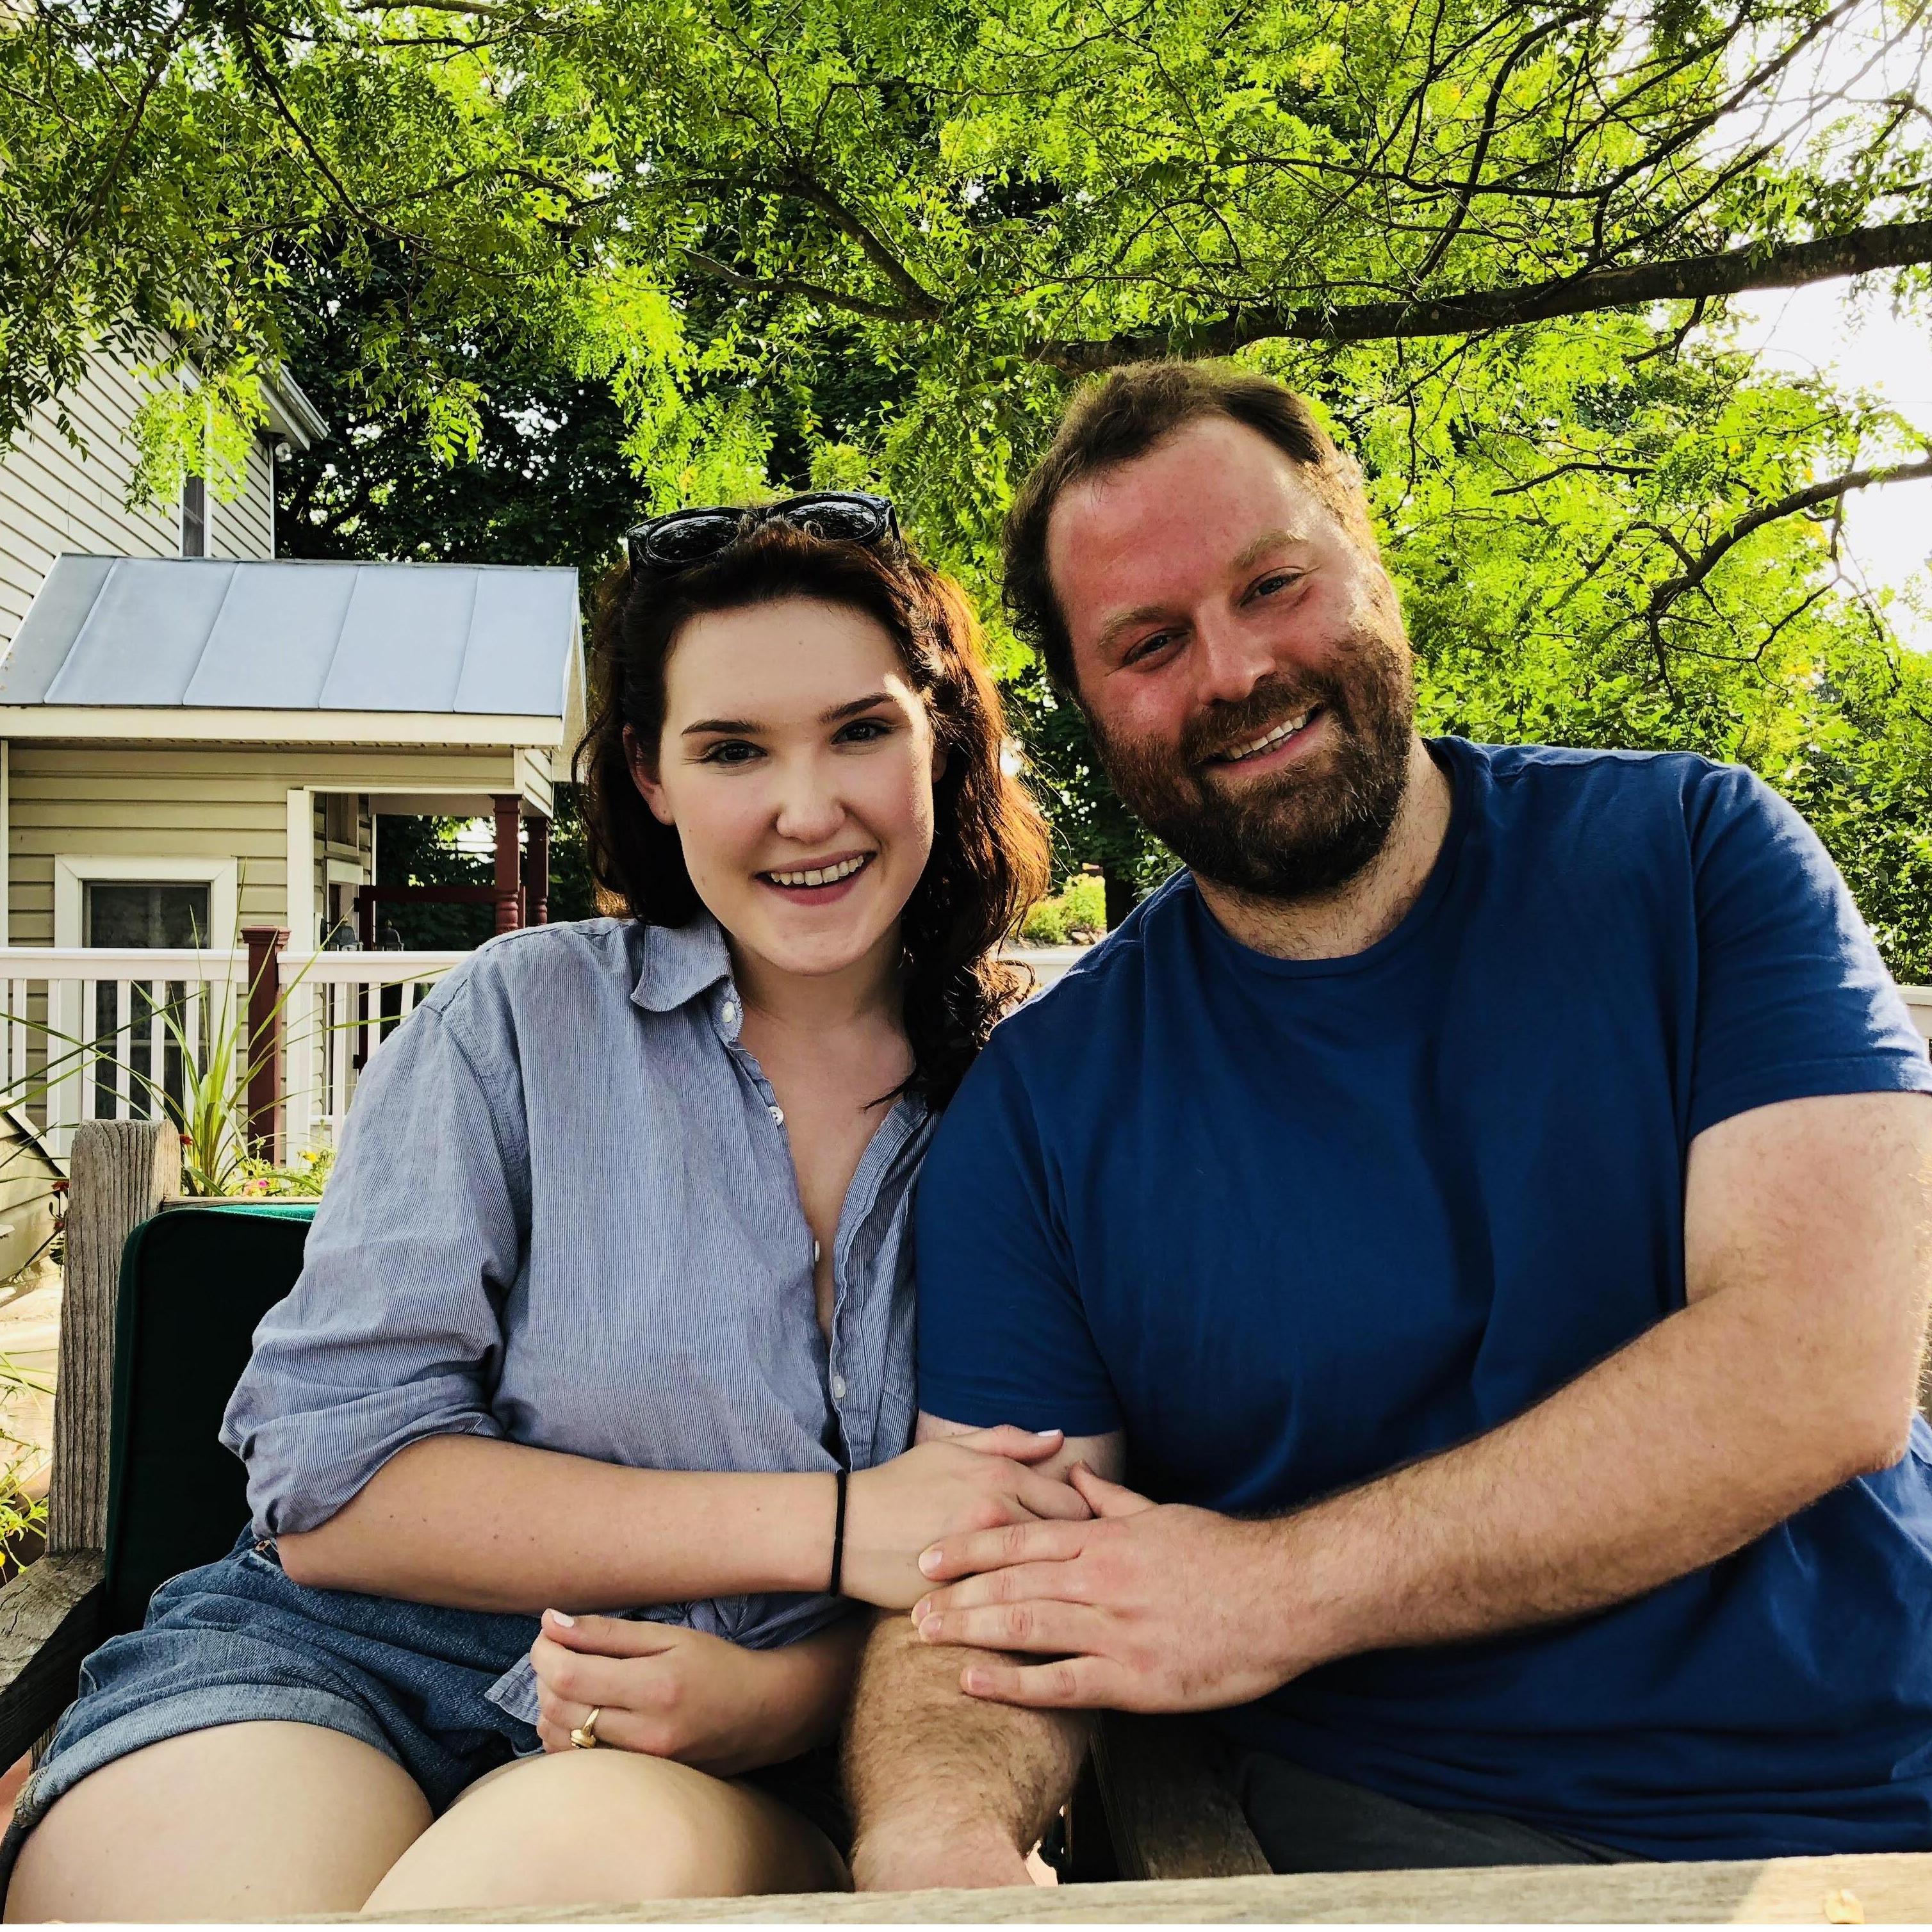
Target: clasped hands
point(1144, 1607)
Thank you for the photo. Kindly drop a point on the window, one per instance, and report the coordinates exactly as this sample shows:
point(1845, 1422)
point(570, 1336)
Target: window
point(143, 1044)
point(170, 914)
point(194, 517)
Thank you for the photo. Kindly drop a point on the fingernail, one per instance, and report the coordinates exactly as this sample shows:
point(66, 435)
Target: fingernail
point(930, 1630)
point(928, 1562)
point(1047, 1434)
point(922, 1609)
point(560, 1617)
point(976, 1681)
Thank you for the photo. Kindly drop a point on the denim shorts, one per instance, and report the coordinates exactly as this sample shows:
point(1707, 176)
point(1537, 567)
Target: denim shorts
point(239, 1641)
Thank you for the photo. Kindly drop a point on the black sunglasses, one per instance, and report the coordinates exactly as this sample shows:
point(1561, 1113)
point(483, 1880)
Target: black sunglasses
point(684, 538)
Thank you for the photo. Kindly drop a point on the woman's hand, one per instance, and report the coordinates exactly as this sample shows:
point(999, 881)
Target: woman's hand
point(668, 1692)
point(978, 1480)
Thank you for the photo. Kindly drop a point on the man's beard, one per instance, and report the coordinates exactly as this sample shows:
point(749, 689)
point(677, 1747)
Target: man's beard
point(1293, 834)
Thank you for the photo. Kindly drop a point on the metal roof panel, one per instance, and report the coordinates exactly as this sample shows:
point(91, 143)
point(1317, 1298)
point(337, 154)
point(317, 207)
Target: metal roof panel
point(127, 633)
point(143, 636)
point(267, 650)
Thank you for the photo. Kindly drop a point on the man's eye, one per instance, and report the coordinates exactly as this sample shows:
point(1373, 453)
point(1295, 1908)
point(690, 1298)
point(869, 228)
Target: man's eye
point(1147, 647)
point(730, 751)
point(1276, 581)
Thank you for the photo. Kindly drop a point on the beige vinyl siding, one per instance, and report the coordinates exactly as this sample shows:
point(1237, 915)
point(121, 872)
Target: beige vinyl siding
point(54, 497)
point(245, 527)
point(200, 802)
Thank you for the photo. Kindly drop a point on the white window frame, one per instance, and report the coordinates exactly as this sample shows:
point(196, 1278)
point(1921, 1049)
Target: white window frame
point(74, 872)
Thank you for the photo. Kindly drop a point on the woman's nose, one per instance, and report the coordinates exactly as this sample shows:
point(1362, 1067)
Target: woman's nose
point(809, 810)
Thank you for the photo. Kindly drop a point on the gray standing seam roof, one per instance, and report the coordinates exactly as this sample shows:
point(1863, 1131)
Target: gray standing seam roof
point(472, 640)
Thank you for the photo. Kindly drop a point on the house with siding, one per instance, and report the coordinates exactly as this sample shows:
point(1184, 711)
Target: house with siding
point(197, 736)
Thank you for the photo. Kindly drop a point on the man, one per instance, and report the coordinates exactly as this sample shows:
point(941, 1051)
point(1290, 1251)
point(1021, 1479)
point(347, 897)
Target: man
point(1482, 1206)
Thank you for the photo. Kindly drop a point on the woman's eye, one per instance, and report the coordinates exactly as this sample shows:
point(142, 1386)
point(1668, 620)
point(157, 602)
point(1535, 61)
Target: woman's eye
point(730, 751)
point(864, 731)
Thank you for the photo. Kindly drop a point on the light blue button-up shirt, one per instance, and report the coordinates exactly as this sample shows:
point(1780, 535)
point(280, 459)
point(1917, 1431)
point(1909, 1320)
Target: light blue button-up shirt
point(564, 1213)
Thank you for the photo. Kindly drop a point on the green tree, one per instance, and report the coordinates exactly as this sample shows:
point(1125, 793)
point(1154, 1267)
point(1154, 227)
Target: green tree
point(799, 242)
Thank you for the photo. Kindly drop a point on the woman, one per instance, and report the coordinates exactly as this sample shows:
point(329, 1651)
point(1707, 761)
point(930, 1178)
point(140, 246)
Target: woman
point(611, 1287)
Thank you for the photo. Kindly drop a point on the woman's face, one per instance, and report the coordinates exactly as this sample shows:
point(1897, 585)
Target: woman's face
point(796, 765)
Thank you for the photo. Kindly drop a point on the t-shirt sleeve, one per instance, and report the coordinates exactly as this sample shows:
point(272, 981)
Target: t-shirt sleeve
point(1792, 998)
point(1002, 1335)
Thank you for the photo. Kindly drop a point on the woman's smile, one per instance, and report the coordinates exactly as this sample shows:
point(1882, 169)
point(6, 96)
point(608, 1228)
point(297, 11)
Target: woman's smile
point(818, 882)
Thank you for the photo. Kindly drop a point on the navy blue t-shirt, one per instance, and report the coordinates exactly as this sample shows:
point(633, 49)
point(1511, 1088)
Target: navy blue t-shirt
point(1290, 1223)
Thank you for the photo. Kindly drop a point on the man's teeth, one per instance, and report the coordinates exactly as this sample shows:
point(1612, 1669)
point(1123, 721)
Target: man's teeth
point(1286, 728)
point(822, 875)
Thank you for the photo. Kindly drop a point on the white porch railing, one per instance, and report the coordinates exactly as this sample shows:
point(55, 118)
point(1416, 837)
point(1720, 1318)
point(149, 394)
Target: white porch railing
point(88, 1034)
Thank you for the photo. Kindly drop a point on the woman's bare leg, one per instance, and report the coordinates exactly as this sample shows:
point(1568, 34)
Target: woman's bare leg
point(587, 1827)
point(242, 1821)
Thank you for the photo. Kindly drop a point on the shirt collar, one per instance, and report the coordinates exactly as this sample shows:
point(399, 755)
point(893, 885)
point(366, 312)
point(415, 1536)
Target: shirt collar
point(680, 962)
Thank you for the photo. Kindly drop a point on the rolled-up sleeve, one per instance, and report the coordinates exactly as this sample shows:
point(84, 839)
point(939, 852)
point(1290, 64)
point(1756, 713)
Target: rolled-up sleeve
point(393, 1331)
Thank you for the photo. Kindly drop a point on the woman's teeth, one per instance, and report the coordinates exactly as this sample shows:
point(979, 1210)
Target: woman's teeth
point(1286, 728)
point(820, 875)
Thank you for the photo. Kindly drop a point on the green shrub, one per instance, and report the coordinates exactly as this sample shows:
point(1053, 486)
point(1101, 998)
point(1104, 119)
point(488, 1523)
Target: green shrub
point(1079, 910)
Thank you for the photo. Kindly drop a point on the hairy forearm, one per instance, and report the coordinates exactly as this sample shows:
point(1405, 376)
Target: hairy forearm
point(1694, 1439)
point(479, 1524)
point(944, 1789)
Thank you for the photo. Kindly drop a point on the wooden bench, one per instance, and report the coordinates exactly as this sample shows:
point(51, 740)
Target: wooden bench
point(1153, 1833)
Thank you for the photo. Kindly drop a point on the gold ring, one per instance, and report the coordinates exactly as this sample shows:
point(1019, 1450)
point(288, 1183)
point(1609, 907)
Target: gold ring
point(584, 1737)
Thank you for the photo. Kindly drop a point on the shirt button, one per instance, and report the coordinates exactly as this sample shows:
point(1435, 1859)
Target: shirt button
point(728, 1012)
point(777, 1116)
point(814, 1254)
point(838, 1388)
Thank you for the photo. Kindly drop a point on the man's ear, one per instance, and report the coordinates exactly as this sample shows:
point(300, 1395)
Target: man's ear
point(645, 778)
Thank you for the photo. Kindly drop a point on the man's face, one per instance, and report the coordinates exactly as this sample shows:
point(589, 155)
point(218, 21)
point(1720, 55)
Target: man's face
point(1241, 660)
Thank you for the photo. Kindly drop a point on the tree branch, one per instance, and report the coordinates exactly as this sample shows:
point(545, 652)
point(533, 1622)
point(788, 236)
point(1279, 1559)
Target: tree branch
point(1697, 569)
point(1696, 277)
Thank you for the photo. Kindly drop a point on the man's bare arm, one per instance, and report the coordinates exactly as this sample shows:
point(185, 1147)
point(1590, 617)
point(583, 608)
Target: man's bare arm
point(946, 1790)
point(1793, 1369)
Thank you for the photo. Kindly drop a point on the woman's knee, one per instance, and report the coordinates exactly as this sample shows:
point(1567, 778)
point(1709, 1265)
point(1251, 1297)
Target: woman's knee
point(595, 1827)
point(249, 1820)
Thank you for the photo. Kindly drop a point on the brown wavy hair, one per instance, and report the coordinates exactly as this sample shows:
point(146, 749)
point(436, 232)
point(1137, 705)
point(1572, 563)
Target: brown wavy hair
point(989, 850)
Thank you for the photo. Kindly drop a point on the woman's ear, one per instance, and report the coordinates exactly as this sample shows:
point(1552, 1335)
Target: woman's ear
point(646, 778)
point(938, 759)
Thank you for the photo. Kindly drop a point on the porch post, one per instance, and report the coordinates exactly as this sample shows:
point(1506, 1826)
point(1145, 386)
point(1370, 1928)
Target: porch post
point(509, 896)
point(536, 872)
point(265, 944)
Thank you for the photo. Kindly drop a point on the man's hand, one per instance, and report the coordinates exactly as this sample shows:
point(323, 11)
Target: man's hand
point(1149, 1607)
point(975, 1479)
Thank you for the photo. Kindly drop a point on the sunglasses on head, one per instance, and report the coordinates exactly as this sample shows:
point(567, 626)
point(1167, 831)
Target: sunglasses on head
point(684, 538)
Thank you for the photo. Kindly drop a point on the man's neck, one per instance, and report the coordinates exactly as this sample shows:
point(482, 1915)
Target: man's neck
point(1354, 916)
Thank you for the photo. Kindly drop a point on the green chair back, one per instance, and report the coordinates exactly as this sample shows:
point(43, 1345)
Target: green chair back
point(194, 1282)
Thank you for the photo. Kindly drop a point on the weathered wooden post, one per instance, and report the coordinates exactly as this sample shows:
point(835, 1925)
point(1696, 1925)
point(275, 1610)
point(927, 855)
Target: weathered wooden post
point(121, 1171)
point(264, 1051)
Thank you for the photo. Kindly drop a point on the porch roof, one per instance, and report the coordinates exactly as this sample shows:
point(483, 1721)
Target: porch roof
point(174, 646)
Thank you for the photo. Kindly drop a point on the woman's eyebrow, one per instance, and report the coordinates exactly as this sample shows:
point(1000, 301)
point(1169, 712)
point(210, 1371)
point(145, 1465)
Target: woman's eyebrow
point(852, 710)
point(740, 724)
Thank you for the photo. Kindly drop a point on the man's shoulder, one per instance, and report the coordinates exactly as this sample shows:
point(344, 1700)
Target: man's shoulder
point(1556, 770)
point(1616, 800)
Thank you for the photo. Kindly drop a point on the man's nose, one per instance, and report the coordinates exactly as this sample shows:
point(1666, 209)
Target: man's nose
point(1230, 660)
